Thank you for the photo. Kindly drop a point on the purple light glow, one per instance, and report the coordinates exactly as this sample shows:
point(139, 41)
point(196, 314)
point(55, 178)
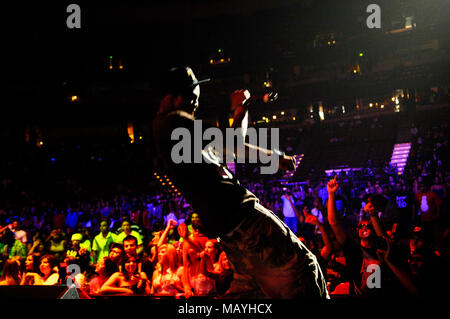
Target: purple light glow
point(400, 155)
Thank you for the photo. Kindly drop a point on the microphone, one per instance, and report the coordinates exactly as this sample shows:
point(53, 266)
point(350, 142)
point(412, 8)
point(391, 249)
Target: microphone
point(266, 98)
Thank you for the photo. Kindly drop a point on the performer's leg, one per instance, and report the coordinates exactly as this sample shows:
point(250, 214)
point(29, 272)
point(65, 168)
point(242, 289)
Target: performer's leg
point(269, 260)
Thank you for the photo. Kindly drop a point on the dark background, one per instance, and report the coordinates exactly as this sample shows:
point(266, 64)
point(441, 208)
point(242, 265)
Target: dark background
point(43, 64)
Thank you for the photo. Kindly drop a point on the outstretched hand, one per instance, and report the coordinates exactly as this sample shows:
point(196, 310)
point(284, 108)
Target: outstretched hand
point(311, 219)
point(369, 208)
point(332, 186)
point(172, 223)
point(287, 163)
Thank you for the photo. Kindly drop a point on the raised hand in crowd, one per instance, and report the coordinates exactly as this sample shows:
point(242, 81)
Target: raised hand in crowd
point(171, 224)
point(333, 218)
point(327, 250)
point(375, 220)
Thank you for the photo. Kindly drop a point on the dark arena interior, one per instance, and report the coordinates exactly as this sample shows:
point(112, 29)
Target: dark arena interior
point(356, 94)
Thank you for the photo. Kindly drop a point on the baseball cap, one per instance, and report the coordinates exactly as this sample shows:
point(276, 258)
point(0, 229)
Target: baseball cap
point(179, 79)
point(77, 236)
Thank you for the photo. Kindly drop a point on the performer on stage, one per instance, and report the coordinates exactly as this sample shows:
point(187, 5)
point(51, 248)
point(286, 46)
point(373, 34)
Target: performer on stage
point(268, 260)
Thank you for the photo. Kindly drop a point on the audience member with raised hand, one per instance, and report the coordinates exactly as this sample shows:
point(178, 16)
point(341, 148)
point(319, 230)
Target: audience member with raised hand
point(327, 249)
point(359, 256)
point(170, 226)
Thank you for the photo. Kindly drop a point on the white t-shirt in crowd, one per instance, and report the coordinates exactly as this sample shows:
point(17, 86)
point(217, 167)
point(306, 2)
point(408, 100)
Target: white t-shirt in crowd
point(317, 213)
point(288, 211)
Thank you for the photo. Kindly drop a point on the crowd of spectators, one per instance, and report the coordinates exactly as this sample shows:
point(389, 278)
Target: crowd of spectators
point(150, 243)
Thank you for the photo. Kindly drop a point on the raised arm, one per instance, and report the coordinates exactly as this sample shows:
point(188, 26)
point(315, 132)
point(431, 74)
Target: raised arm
point(370, 209)
point(36, 243)
point(170, 225)
point(240, 111)
point(182, 231)
point(402, 276)
point(328, 247)
point(299, 216)
point(240, 120)
point(333, 218)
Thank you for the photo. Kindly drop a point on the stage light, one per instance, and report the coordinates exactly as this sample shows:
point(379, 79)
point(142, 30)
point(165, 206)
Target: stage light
point(282, 113)
point(382, 106)
point(361, 54)
point(110, 57)
point(293, 118)
point(120, 66)
point(140, 137)
point(393, 99)
point(370, 104)
point(52, 159)
point(110, 67)
point(274, 117)
point(74, 98)
point(321, 113)
point(211, 61)
point(41, 143)
point(130, 131)
point(220, 50)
